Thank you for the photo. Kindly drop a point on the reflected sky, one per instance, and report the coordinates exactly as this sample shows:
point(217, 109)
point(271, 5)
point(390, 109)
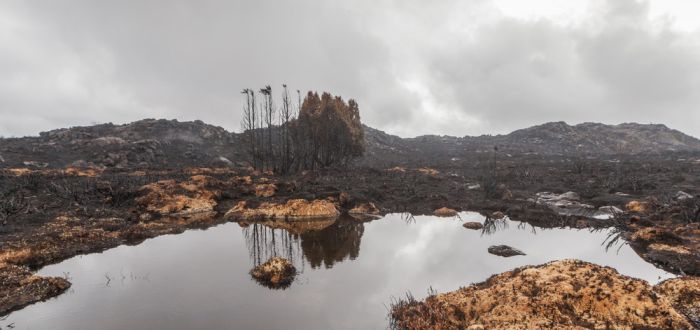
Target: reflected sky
point(349, 273)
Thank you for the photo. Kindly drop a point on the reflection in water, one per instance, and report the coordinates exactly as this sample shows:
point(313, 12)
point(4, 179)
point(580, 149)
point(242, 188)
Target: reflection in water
point(200, 279)
point(318, 242)
point(491, 225)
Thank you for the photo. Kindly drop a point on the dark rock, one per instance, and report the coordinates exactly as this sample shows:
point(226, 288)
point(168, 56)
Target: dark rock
point(505, 251)
point(473, 225)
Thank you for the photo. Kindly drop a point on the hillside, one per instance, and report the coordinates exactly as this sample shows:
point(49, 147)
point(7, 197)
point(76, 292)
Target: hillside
point(170, 143)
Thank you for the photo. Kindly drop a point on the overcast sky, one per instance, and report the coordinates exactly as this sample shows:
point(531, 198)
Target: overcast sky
point(415, 67)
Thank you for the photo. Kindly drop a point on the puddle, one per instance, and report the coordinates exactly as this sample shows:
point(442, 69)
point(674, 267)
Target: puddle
point(348, 273)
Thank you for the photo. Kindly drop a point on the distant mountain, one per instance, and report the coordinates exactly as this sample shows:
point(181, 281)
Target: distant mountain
point(555, 138)
point(170, 143)
point(148, 142)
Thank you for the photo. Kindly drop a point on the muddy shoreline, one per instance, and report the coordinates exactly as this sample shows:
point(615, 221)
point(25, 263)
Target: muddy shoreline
point(77, 211)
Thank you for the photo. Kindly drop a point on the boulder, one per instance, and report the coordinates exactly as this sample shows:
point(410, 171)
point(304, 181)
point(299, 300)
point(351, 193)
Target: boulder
point(445, 212)
point(682, 195)
point(612, 210)
point(504, 251)
point(473, 225)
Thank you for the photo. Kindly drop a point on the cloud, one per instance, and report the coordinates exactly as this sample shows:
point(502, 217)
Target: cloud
point(448, 67)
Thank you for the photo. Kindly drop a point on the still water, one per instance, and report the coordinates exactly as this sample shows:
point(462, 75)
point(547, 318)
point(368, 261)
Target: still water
point(349, 272)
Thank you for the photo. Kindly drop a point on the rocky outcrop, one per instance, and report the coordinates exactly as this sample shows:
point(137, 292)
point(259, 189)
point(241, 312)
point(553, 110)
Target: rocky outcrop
point(292, 209)
point(505, 251)
point(276, 273)
point(559, 294)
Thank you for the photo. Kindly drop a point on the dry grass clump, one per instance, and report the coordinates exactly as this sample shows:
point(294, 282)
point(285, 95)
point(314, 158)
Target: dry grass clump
point(265, 190)
point(167, 197)
point(637, 207)
point(292, 209)
point(559, 294)
point(364, 208)
point(276, 273)
point(445, 212)
point(429, 171)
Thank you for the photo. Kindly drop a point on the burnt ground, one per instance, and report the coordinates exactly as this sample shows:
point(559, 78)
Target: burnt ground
point(49, 215)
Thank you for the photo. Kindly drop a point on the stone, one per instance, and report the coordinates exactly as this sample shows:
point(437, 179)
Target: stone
point(473, 225)
point(445, 212)
point(505, 251)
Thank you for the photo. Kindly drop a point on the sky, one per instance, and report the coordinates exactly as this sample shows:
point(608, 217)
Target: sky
point(455, 67)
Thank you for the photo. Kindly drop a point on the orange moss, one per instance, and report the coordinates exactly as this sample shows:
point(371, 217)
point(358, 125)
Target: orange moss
point(292, 209)
point(637, 206)
point(265, 190)
point(559, 294)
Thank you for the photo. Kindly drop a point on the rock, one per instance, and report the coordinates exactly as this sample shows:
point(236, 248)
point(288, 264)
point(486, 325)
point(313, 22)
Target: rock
point(473, 225)
point(225, 160)
point(474, 187)
point(505, 251)
point(682, 195)
point(497, 215)
point(445, 212)
point(276, 273)
point(343, 198)
point(565, 294)
point(292, 209)
point(32, 163)
point(612, 210)
point(565, 200)
point(364, 208)
point(637, 206)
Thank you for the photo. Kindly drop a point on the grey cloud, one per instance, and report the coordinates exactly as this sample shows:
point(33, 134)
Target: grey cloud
point(453, 67)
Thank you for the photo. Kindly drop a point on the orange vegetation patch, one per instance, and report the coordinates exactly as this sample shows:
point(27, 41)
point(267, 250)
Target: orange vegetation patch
point(265, 190)
point(559, 294)
point(637, 206)
point(18, 171)
point(397, 169)
point(293, 209)
point(87, 172)
point(428, 171)
point(169, 197)
point(276, 273)
point(445, 212)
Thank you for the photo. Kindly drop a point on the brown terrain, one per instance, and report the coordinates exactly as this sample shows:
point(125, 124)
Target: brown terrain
point(83, 190)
